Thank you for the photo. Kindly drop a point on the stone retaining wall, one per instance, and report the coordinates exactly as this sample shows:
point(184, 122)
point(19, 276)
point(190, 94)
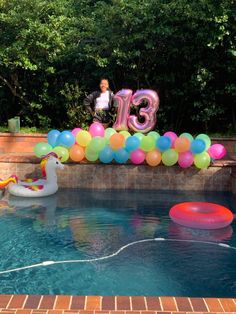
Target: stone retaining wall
point(99, 176)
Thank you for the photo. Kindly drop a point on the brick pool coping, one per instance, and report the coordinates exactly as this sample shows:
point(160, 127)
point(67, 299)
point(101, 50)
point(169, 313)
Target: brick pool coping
point(64, 304)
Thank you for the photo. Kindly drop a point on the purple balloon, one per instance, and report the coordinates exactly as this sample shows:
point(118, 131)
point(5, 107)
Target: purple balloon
point(75, 131)
point(172, 136)
point(185, 159)
point(97, 129)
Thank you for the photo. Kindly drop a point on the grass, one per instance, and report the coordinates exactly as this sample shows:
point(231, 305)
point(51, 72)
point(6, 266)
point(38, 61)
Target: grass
point(25, 130)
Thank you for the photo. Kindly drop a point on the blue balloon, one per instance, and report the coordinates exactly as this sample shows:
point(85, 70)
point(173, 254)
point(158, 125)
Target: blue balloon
point(66, 139)
point(163, 143)
point(52, 137)
point(198, 146)
point(106, 155)
point(121, 156)
point(132, 143)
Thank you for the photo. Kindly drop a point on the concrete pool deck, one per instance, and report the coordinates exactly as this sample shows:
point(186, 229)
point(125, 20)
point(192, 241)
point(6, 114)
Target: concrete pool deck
point(64, 304)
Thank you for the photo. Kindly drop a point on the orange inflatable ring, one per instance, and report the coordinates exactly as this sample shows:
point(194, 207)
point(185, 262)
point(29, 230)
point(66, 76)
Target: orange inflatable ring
point(201, 215)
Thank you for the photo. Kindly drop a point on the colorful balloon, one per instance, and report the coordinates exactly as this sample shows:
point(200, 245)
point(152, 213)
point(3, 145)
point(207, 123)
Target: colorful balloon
point(148, 113)
point(147, 143)
point(52, 137)
point(97, 129)
point(154, 134)
point(185, 159)
point(206, 139)
point(163, 143)
point(77, 153)
point(123, 99)
point(42, 149)
point(170, 157)
point(97, 144)
point(83, 138)
point(62, 153)
point(139, 135)
point(202, 160)
point(75, 131)
point(126, 134)
point(182, 144)
point(66, 139)
point(172, 136)
point(217, 151)
point(106, 155)
point(197, 146)
point(137, 157)
point(153, 158)
point(117, 141)
point(121, 156)
point(188, 135)
point(132, 143)
point(90, 154)
point(108, 133)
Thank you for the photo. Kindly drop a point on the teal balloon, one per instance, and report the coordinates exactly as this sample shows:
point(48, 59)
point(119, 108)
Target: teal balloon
point(121, 156)
point(66, 139)
point(206, 139)
point(188, 135)
point(52, 137)
point(198, 146)
point(132, 143)
point(163, 143)
point(42, 149)
point(106, 155)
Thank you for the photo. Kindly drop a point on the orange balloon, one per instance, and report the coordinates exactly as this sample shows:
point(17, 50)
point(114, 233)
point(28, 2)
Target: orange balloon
point(77, 153)
point(153, 158)
point(117, 141)
point(182, 144)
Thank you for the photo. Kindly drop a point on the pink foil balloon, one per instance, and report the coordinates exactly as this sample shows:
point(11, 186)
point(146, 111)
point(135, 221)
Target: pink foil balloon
point(75, 131)
point(97, 129)
point(172, 136)
point(137, 157)
point(217, 151)
point(185, 159)
point(148, 113)
point(123, 98)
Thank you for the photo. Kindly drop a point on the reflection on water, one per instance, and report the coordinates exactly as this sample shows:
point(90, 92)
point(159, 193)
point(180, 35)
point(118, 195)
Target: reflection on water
point(76, 224)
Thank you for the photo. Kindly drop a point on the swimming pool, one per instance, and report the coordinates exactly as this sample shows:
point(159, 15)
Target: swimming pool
point(84, 224)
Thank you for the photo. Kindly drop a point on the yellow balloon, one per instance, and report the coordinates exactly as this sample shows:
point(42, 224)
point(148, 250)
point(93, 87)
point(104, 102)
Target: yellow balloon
point(83, 138)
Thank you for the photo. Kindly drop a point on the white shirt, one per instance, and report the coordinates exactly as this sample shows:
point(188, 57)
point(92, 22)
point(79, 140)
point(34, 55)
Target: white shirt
point(102, 102)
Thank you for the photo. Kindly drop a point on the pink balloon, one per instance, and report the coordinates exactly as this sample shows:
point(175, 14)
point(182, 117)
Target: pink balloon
point(217, 151)
point(148, 113)
point(97, 129)
point(172, 136)
point(137, 156)
point(185, 159)
point(122, 98)
point(75, 131)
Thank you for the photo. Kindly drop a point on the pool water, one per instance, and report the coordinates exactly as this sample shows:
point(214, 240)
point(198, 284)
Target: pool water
point(84, 224)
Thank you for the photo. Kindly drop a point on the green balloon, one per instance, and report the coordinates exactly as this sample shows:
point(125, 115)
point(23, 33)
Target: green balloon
point(97, 144)
point(154, 134)
point(202, 160)
point(42, 149)
point(139, 135)
point(62, 152)
point(206, 139)
point(147, 143)
point(187, 135)
point(108, 133)
point(90, 154)
point(126, 134)
point(170, 157)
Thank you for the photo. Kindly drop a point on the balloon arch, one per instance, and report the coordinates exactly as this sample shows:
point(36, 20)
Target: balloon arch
point(119, 145)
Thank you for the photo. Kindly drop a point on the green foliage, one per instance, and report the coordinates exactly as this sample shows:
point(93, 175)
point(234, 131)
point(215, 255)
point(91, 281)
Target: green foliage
point(53, 52)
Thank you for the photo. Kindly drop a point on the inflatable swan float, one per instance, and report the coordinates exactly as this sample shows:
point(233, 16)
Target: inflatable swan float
point(36, 187)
